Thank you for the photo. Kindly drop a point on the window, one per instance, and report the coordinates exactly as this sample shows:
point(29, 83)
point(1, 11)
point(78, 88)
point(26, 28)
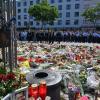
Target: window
point(19, 17)
point(19, 10)
point(31, 23)
point(25, 23)
point(59, 22)
point(77, 6)
point(60, 15)
point(18, 4)
point(59, 7)
point(68, 7)
point(51, 23)
point(60, 0)
point(52, 1)
point(19, 23)
point(25, 3)
point(86, 6)
point(67, 22)
point(68, 0)
point(25, 10)
point(76, 22)
point(37, 1)
point(67, 14)
point(37, 23)
point(25, 16)
point(31, 17)
point(31, 2)
point(76, 14)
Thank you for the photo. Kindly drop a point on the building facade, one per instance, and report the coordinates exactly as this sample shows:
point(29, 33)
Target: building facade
point(70, 12)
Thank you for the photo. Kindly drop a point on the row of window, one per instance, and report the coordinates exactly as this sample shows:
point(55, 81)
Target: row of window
point(37, 1)
point(68, 7)
point(53, 1)
point(25, 17)
point(25, 3)
point(76, 14)
point(24, 10)
point(19, 4)
point(76, 22)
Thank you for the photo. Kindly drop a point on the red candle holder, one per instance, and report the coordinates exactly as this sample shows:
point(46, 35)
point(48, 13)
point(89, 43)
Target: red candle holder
point(33, 91)
point(42, 90)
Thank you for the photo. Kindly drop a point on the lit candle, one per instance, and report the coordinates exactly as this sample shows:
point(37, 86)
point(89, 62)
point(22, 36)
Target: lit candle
point(33, 91)
point(98, 98)
point(42, 90)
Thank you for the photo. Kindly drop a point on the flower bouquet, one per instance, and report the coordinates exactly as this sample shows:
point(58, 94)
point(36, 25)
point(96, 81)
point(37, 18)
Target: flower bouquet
point(8, 82)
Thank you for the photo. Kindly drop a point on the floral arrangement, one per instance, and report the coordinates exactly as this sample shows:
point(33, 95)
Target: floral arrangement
point(83, 76)
point(8, 81)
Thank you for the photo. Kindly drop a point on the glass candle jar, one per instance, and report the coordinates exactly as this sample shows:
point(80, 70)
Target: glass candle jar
point(42, 90)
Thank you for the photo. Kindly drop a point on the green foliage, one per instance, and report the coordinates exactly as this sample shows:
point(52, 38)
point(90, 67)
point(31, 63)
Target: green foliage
point(43, 12)
point(83, 77)
point(98, 7)
point(92, 14)
point(53, 14)
point(2, 70)
point(8, 81)
point(98, 10)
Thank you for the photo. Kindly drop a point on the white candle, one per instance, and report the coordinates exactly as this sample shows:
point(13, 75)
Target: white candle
point(98, 98)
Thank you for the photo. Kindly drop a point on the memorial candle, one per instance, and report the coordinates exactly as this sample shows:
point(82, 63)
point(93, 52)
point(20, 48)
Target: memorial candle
point(42, 90)
point(33, 91)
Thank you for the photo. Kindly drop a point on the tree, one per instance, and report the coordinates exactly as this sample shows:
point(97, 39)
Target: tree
point(98, 11)
point(92, 14)
point(43, 12)
point(53, 14)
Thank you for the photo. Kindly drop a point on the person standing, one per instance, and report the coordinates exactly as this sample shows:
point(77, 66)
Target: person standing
point(22, 36)
point(77, 34)
point(46, 36)
point(53, 37)
point(96, 37)
point(90, 37)
point(58, 37)
point(85, 36)
point(25, 35)
point(65, 36)
point(81, 36)
point(34, 37)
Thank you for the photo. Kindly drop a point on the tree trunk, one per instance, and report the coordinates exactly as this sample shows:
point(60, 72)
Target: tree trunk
point(42, 25)
point(94, 24)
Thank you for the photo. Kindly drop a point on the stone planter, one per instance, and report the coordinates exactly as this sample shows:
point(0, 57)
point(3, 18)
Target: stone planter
point(52, 79)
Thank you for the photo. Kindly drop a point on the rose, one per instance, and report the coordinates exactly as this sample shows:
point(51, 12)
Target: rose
point(21, 59)
point(11, 76)
point(1, 76)
point(4, 78)
point(30, 48)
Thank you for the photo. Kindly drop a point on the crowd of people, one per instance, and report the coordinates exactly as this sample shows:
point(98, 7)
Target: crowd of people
point(60, 36)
